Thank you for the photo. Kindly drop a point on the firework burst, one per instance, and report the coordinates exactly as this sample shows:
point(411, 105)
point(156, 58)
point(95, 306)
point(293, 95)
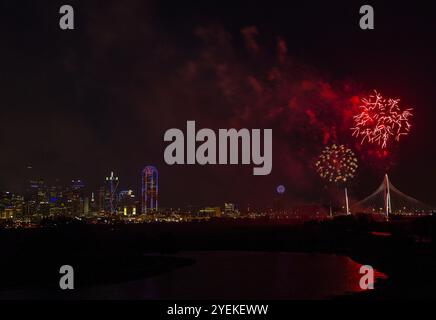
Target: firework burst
point(336, 164)
point(380, 120)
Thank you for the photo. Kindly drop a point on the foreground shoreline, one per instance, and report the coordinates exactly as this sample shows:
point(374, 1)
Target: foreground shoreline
point(117, 252)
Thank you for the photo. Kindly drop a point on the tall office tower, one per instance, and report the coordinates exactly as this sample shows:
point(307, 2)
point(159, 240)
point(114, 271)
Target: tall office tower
point(38, 197)
point(101, 199)
point(149, 194)
point(75, 197)
point(93, 204)
point(127, 203)
point(112, 182)
point(86, 206)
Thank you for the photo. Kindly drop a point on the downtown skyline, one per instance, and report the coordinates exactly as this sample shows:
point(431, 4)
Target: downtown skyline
point(100, 98)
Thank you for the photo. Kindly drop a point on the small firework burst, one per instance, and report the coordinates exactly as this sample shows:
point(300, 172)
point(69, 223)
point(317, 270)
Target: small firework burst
point(336, 164)
point(381, 119)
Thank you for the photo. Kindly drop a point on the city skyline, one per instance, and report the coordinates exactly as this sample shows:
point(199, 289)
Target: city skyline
point(112, 200)
point(93, 104)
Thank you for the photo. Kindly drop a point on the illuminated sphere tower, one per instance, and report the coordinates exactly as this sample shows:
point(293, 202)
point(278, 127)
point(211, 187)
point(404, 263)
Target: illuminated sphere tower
point(149, 189)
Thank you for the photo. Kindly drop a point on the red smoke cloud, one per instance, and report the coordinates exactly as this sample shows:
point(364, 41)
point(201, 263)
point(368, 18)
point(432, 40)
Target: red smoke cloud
point(261, 90)
point(305, 110)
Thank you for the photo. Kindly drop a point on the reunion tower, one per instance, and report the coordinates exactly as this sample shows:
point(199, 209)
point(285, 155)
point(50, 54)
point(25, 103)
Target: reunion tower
point(149, 191)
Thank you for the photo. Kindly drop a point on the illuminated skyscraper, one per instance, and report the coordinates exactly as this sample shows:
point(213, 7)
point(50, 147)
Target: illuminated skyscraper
point(112, 182)
point(38, 198)
point(101, 197)
point(74, 196)
point(126, 203)
point(149, 192)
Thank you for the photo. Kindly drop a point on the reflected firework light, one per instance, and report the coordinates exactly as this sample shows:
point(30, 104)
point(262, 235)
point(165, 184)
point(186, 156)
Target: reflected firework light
point(381, 119)
point(337, 164)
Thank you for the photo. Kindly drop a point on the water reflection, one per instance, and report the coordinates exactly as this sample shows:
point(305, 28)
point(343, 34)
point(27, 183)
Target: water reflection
point(244, 275)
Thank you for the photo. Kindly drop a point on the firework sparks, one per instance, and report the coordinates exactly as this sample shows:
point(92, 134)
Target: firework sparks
point(336, 164)
point(381, 119)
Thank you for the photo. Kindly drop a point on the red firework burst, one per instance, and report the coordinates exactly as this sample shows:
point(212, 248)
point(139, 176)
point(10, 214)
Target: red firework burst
point(381, 119)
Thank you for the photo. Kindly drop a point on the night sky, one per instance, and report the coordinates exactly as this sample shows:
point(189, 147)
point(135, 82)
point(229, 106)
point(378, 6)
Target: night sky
point(78, 104)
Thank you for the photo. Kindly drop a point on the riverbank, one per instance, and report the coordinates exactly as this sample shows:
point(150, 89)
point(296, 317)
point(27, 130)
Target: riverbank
point(107, 255)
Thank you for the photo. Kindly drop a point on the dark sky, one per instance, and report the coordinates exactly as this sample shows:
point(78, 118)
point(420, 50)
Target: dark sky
point(78, 104)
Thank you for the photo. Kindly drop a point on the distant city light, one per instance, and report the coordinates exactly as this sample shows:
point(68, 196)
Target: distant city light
point(281, 189)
